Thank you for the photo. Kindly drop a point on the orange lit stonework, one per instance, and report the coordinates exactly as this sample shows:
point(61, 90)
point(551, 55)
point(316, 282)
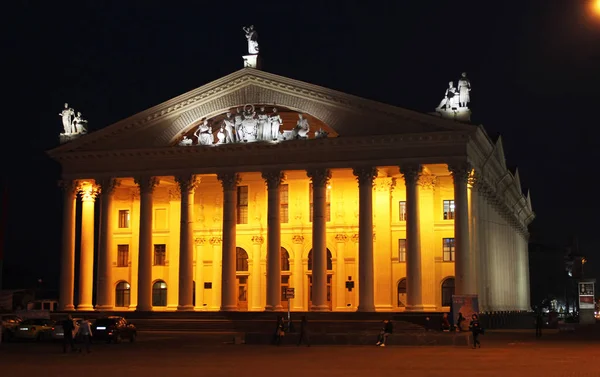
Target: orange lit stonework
point(190, 227)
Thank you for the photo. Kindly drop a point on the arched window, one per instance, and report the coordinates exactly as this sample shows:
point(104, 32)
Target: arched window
point(402, 293)
point(447, 291)
point(329, 262)
point(122, 294)
point(285, 260)
point(241, 260)
point(159, 293)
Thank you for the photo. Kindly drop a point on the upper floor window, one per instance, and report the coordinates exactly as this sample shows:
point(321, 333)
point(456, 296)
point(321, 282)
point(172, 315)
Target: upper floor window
point(160, 255)
point(448, 209)
point(123, 218)
point(327, 203)
point(122, 255)
point(448, 249)
point(284, 203)
point(402, 210)
point(402, 250)
point(242, 205)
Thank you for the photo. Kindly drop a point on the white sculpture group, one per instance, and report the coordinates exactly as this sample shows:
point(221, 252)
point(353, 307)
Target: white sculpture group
point(73, 125)
point(248, 126)
point(456, 98)
point(252, 37)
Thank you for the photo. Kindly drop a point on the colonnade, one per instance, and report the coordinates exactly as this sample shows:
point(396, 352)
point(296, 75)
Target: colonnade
point(465, 274)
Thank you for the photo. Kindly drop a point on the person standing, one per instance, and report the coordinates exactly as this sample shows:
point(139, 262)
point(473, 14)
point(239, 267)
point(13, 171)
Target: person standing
point(476, 329)
point(304, 335)
point(85, 331)
point(68, 332)
point(387, 329)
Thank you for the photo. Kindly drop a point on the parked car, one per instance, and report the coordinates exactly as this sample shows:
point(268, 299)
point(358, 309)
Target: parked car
point(34, 329)
point(59, 333)
point(9, 324)
point(113, 329)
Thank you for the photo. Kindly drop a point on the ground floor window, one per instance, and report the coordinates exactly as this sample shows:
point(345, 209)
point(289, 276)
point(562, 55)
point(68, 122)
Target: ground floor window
point(447, 291)
point(159, 293)
point(122, 295)
point(402, 293)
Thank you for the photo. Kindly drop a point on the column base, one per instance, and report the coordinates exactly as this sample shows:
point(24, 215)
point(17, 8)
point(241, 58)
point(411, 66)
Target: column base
point(384, 308)
point(68, 308)
point(85, 308)
point(369, 309)
point(270, 308)
point(143, 308)
point(319, 308)
point(229, 308)
point(420, 308)
point(104, 308)
point(185, 308)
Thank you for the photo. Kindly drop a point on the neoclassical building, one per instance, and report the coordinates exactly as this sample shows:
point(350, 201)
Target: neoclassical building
point(215, 201)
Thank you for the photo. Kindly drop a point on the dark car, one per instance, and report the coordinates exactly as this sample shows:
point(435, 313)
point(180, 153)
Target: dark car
point(113, 329)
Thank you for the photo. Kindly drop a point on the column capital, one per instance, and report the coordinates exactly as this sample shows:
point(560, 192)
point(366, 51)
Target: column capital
point(460, 171)
point(199, 241)
point(427, 181)
point(298, 239)
point(215, 241)
point(69, 186)
point(341, 238)
point(319, 177)
point(257, 240)
point(385, 184)
point(355, 238)
point(411, 173)
point(146, 183)
point(229, 181)
point(108, 185)
point(89, 190)
point(187, 183)
point(365, 175)
point(273, 178)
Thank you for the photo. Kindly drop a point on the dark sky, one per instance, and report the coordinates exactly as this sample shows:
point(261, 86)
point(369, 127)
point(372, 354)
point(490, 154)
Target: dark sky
point(534, 68)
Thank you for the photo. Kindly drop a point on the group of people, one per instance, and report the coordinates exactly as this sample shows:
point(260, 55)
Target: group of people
point(76, 333)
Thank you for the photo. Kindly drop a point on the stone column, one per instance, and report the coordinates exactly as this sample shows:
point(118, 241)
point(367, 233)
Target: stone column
point(273, 180)
point(229, 182)
point(104, 296)
point(298, 274)
point(465, 283)
point(187, 186)
point(366, 289)
point(414, 296)
point(319, 178)
point(147, 185)
point(257, 268)
point(88, 191)
point(200, 243)
point(430, 286)
point(67, 257)
point(340, 272)
point(217, 271)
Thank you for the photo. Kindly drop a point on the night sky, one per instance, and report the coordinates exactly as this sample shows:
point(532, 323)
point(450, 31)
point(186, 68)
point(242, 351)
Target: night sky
point(534, 67)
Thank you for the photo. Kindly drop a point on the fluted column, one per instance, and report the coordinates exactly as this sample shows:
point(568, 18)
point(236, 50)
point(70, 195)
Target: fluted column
point(104, 297)
point(366, 287)
point(147, 185)
point(414, 295)
point(187, 186)
point(88, 191)
point(229, 182)
point(320, 178)
point(67, 257)
point(273, 180)
point(465, 282)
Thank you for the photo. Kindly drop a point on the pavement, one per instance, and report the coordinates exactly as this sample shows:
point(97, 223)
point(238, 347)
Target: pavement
point(162, 353)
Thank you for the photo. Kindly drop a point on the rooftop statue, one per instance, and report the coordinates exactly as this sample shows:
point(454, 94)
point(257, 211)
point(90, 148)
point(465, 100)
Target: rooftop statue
point(450, 98)
point(204, 134)
point(302, 128)
point(67, 119)
point(275, 122)
point(464, 89)
point(252, 37)
point(79, 124)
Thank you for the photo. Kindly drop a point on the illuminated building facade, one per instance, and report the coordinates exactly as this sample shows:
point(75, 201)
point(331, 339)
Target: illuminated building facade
point(380, 209)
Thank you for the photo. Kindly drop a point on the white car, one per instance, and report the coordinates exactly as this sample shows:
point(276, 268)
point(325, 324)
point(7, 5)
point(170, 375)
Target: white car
point(59, 333)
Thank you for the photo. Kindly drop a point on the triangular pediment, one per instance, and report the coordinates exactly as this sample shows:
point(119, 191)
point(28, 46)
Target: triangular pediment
point(339, 114)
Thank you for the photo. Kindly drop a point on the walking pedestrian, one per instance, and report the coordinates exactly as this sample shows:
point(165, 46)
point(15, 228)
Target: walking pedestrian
point(476, 329)
point(85, 331)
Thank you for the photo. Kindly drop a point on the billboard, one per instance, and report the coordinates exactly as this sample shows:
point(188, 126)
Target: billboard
point(586, 295)
point(467, 305)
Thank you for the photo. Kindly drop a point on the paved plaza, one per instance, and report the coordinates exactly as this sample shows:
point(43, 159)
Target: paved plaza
point(184, 354)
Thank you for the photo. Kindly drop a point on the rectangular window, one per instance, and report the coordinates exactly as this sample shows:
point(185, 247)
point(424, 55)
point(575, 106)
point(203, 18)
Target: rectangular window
point(160, 255)
point(123, 218)
point(160, 218)
point(402, 250)
point(327, 203)
point(122, 255)
point(402, 210)
point(448, 249)
point(448, 209)
point(242, 205)
point(284, 204)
